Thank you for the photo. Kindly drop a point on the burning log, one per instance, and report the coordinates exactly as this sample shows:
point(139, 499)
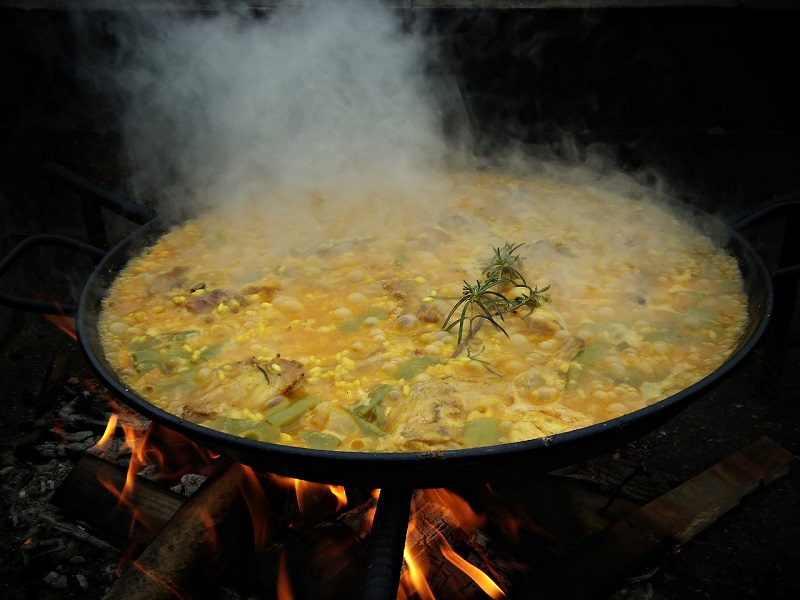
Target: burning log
point(185, 556)
point(334, 560)
point(86, 493)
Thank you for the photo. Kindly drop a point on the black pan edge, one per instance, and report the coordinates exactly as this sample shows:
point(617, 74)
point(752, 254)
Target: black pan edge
point(421, 470)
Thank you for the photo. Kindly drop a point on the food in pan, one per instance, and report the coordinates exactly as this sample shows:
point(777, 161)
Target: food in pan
point(500, 309)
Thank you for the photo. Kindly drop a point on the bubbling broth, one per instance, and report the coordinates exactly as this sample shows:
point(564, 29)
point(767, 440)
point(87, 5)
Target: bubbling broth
point(508, 309)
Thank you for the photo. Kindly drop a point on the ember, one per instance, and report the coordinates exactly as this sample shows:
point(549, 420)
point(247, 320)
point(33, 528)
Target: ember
point(452, 550)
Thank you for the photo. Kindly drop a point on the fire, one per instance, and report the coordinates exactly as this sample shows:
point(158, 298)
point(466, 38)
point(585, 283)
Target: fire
point(458, 506)
point(424, 542)
point(426, 551)
point(306, 492)
point(108, 434)
point(257, 503)
point(284, 585)
point(147, 447)
point(479, 577)
point(416, 584)
point(63, 322)
point(315, 501)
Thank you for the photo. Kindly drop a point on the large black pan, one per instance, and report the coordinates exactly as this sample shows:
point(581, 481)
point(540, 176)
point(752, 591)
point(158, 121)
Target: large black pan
point(418, 469)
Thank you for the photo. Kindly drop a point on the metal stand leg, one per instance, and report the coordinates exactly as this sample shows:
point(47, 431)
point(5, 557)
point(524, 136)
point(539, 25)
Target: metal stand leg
point(387, 541)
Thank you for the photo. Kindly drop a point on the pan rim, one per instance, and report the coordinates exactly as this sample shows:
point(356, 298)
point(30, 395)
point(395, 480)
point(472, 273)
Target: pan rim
point(419, 466)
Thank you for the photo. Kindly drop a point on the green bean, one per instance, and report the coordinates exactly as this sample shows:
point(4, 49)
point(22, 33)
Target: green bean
point(318, 440)
point(254, 430)
point(376, 396)
point(482, 432)
point(367, 427)
point(411, 368)
point(284, 416)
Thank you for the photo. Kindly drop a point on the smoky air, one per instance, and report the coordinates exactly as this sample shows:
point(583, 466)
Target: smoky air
point(225, 106)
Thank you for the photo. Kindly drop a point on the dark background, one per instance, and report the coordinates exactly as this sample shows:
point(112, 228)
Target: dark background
point(699, 100)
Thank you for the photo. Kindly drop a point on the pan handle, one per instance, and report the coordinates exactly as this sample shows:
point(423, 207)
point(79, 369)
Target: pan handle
point(764, 211)
point(42, 306)
point(789, 203)
point(119, 204)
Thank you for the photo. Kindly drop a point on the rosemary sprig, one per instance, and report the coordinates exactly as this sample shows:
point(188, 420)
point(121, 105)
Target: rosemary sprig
point(483, 301)
point(485, 363)
point(506, 265)
point(532, 299)
point(478, 301)
point(263, 371)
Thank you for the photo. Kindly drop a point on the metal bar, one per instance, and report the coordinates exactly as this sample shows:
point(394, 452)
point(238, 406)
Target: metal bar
point(40, 306)
point(94, 223)
point(387, 541)
point(114, 202)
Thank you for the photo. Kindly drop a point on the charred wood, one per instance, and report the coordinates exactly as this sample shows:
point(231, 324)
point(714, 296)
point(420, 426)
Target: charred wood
point(189, 553)
point(91, 493)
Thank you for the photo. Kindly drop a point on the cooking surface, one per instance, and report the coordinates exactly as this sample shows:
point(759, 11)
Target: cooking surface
point(719, 122)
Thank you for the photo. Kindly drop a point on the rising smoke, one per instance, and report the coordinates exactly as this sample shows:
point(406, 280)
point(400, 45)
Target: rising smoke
point(219, 106)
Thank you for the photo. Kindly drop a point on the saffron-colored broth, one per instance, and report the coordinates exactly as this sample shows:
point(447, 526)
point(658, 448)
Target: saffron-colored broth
point(332, 332)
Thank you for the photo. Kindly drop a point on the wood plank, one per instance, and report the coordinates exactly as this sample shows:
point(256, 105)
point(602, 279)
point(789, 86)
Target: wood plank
point(627, 547)
point(84, 496)
point(189, 553)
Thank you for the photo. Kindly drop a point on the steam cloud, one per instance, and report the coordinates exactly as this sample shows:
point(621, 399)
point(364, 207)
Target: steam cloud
point(223, 105)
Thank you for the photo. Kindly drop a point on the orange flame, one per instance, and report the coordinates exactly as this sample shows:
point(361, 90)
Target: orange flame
point(340, 495)
point(144, 452)
point(314, 500)
point(307, 490)
point(108, 434)
point(460, 508)
point(256, 501)
point(416, 581)
point(481, 579)
point(457, 510)
point(284, 584)
point(64, 323)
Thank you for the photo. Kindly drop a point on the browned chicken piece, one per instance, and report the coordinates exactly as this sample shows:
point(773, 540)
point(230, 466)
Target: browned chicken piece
point(432, 238)
point(400, 291)
point(249, 385)
point(207, 302)
point(266, 288)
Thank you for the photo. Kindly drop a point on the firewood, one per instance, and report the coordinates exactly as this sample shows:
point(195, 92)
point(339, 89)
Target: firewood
point(138, 519)
point(190, 551)
point(331, 560)
point(605, 559)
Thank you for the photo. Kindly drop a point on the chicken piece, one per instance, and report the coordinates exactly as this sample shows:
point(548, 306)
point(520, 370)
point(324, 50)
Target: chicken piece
point(430, 418)
point(556, 418)
point(247, 385)
point(429, 314)
point(266, 287)
point(169, 280)
point(542, 320)
point(400, 291)
point(552, 373)
point(207, 302)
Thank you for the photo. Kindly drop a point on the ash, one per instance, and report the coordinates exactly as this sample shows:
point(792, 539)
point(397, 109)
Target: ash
point(48, 553)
